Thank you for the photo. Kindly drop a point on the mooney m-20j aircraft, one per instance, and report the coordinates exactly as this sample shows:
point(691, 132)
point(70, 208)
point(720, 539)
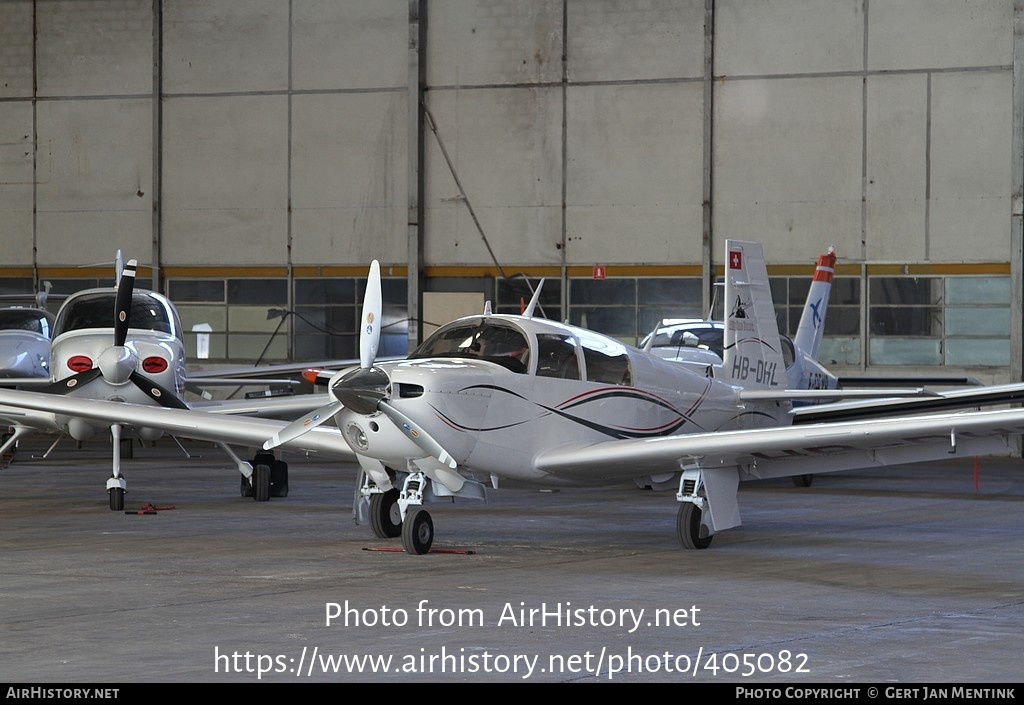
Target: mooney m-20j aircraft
point(494, 397)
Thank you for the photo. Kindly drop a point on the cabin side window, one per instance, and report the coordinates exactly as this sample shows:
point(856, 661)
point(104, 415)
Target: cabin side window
point(607, 361)
point(556, 356)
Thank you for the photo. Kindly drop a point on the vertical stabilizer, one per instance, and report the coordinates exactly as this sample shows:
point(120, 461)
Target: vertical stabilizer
point(812, 320)
point(753, 352)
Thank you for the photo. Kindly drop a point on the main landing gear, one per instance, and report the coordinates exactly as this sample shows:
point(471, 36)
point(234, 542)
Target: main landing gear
point(269, 478)
point(690, 526)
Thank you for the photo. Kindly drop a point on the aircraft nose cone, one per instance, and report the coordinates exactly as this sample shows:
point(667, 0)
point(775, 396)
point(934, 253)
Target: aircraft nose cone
point(117, 364)
point(361, 389)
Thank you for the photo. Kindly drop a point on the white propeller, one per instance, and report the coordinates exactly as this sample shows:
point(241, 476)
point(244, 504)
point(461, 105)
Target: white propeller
point(369, 333)
point(423, 440)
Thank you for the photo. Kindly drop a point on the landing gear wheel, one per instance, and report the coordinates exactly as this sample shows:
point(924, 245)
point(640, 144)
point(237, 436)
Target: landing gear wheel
point(688, 526)
point(417, 531)
point(261, 483)
point(246, 489)
point(279, 479)
point(116, 499)
point(803, 480)
point(385, 515)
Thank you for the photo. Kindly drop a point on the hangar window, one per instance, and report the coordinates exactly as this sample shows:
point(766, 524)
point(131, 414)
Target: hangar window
point(977, 321)
point(905, 321)
point(842, 342)
point(326, 320)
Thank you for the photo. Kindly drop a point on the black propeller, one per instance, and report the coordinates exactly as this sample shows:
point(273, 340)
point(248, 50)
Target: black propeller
point(117, 364)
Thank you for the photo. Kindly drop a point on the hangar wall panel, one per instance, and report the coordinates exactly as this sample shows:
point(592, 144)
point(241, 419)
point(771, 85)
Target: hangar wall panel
point(94, 47)
point(16, 183)
point(787, 164)
point(494, 42)
point(506, 147)
point(938, 34)
point(349, 45)
point(225, 182)
point(971, 130)
point(215, 46)
point(17, 48)
point(634, 174)
point(349, 178)
point(629, 40)
point(94, 180)
point(788, 37)
point(897, 168)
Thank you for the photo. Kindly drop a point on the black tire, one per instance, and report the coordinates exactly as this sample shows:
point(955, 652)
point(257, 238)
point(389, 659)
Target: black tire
point(803, 480)
point(246, 489)
point(688, 526)
point(261, 483)
point(417, 531)
point(279, 479)
point(385, 516)
point(116, 499)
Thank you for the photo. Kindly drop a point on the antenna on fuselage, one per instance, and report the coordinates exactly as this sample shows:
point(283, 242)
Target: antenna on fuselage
point(532, 306)
point(487, 308)
point(650, 338)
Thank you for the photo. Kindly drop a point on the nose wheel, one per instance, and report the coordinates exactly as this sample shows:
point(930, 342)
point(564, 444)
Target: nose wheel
point(417, 531)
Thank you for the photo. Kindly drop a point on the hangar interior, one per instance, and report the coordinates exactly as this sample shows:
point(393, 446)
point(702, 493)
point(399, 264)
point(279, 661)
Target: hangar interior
point(255, 155)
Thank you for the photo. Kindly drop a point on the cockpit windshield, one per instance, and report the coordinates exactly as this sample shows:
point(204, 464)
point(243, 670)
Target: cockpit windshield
point(484, 340)
point(96, 310)
point(29, 319)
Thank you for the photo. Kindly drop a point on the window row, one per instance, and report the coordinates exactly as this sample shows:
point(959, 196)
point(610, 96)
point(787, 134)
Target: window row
point(890, 320)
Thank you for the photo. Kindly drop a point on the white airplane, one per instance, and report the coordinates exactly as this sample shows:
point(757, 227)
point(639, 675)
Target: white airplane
point(126, 345)
point(24, 343)
point(494, 397)
point(700, 342)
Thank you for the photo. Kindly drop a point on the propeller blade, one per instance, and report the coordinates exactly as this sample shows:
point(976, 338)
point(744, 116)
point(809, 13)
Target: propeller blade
point(421, 438)
point(123, 302)
point(297, 428)
point(69, 384)
point(159, 394)
point(369, 333)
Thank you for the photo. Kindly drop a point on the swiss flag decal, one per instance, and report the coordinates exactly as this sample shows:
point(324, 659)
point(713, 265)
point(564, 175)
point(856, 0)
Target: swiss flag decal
point(736, 259)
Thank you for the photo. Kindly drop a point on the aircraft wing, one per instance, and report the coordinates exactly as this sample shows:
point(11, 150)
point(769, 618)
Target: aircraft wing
point(287, 407)
point(942, 401)
point(28, 418)
point(794, 450)
point(185, 423)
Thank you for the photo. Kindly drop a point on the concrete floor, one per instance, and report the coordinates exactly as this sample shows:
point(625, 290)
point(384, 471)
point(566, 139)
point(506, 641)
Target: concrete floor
point(906, 575)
